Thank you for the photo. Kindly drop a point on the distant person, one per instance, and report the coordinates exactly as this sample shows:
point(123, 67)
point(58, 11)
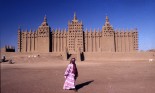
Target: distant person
point(10, 61)
point(3, 58)
point(70, 75)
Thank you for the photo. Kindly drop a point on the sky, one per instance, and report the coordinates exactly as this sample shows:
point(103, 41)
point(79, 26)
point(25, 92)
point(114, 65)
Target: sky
point(123, 14)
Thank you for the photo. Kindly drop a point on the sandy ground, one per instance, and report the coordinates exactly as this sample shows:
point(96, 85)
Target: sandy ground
point(94, 77)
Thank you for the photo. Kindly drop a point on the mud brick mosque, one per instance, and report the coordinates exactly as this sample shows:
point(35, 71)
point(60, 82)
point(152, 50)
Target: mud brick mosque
point(74, 39)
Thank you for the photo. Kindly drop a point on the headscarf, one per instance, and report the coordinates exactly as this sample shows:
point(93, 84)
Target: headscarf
point(75, 71)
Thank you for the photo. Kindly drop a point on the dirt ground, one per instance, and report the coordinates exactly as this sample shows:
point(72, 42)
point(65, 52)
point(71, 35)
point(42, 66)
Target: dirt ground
point(94, 77)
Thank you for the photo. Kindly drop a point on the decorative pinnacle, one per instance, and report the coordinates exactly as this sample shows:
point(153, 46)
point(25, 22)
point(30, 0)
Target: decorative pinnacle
point(75, 16)
point(44, 23)
point(19, 27)
point(107, 19)
point(45, 19)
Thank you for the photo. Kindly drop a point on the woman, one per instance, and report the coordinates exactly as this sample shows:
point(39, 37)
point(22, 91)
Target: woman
point(70, 75)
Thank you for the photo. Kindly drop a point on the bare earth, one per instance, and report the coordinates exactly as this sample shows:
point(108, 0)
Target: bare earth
point(94, 77)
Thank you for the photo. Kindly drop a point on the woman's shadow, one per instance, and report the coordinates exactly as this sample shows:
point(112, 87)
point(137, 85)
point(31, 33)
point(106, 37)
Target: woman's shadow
point(83, 84)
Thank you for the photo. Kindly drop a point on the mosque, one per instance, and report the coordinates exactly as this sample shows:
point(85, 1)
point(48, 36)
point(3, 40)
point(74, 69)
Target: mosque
point(74, 39)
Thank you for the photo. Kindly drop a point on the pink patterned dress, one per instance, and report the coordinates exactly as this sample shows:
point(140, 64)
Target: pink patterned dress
point(70, 78)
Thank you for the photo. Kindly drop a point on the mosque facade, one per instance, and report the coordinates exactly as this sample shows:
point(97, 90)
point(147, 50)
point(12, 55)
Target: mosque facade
point(74, 39)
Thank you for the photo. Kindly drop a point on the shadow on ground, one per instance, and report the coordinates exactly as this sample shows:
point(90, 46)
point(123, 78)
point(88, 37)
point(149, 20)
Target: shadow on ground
point(79, 86)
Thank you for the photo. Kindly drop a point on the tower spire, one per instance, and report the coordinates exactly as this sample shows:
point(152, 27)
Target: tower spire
point(45, 19)
point(107, 26)
point(19, 27)
point(75, 16)
point(107, 19)
point(44, 23)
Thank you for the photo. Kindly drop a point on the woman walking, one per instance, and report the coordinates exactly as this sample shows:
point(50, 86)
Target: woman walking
point(70, 75)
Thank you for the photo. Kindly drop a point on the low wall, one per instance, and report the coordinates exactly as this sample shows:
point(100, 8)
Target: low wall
point(90, 55)
point(18, 54)
point(119, 56)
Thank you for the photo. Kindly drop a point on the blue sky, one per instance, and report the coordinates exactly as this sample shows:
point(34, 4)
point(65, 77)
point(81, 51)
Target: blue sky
point(123, 14)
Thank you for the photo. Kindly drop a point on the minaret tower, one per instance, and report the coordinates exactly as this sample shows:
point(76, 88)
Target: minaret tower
point(75, 36)
point(43, 37)
point(107, 43)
